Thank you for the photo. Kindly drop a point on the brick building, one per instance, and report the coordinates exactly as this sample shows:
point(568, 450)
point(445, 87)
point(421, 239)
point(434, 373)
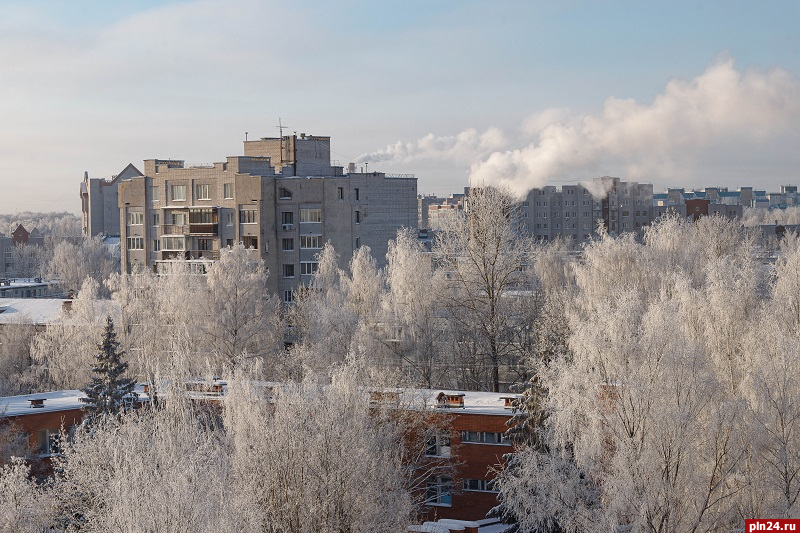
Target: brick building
point(99, 204)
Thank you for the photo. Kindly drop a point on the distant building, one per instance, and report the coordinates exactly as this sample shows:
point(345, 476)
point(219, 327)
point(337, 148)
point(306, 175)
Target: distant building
point(435, 212)
point(8, 244)
point(99, 204)
point(283, 198)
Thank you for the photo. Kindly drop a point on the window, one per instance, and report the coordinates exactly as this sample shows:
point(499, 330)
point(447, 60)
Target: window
point(50, 441)
point(310, 242)
point(358, 217)
point(484, 437)
point(173, 243)
point(135, 243)
point(288, 271)
point(526, 204)
point(356, 194)
point(308, 268)
point(204, 244)
point(310, 215)
point(248, 216)
point(202, 216)
point(437, 444)
point(227, 190)
point(229, 218)
point(156, 219)
point(287, 245)
point(154, 192)
point(178, 193)
point(340, 193)
point(156, 245)
point(358, 242)
point(178, 219)
point(284, 193)
point(135, 218)
point(287, 217)
point(438, 491)
point(202, 192)
point(288, 297)
point(250, 241)
point(481, 485)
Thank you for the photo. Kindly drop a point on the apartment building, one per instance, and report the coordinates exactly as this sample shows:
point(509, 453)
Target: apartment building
point(99, 203)
point(574, 211)
point(9, 268)
point(283, 198)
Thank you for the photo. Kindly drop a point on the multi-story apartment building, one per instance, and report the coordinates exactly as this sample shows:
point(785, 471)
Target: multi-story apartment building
point(573, 211)
point(283, 198)
point(99, 204)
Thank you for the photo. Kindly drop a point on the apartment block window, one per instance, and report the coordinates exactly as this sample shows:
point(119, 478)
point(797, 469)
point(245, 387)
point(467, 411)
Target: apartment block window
point(178, 219)
point(288, 297)
point(173, 243)
point(177, 193)
point(288, 271)
point(480, 485)
point(250, 241)
point(310, 215)
point(204, 244)
point(284, 193)
point(203, 216)
point(229, 216)
point(438, 491)
point(135, 243)
point(156, 219)
point(154, 193)
point(135, 218)
point(202, 192)
point(310, 242)
point(287, 245)
point(340, 193)
point(308, 268)
point(437, 444)
point(227, 190)
point(358, 217)
point(356, 194)
point(156, 245)
point(526, 204)
point(484, 437)
point(287, 217)
point(358, 242)
point(50, 441)
point(248, 216)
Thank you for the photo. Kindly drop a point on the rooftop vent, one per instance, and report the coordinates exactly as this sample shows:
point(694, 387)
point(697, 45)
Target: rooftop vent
point(36, 403)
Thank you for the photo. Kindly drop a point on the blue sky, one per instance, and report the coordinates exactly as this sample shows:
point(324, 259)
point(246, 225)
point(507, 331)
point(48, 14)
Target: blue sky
point(518, 93)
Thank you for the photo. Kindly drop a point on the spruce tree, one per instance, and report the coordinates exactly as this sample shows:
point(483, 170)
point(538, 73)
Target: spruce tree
point(108, 390)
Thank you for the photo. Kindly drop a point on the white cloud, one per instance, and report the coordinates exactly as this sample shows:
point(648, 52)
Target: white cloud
point(723, 112)
point(465, 147)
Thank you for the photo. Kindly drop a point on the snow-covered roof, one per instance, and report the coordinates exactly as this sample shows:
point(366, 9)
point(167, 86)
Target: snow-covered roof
point(61, 400)
point(476, 402)
point(36, 310)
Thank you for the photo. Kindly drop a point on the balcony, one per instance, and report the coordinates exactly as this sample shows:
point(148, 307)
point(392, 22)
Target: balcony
point(173, 229)
point(204, 229)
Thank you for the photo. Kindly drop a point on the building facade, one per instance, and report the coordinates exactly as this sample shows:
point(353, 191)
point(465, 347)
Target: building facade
point(283, 199)
point(574, 211)
point(99, 204)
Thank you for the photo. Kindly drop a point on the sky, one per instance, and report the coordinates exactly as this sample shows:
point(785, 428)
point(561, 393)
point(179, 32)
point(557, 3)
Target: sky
point(512, 93)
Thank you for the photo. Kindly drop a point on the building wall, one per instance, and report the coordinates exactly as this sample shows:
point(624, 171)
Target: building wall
point(263, 209)
point(100, 205)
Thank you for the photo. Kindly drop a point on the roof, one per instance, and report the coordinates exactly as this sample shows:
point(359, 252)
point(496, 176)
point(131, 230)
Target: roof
point(62, 400)
point(36, 310)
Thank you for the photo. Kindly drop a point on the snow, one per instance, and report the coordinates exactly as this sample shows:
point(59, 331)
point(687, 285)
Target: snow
point(37, 310)
point(53, 401)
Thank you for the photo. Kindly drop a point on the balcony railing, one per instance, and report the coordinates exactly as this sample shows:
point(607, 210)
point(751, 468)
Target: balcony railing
point(173, 229)
point(203, 229)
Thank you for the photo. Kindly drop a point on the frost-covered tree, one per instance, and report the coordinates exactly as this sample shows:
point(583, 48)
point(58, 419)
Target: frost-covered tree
point(25, 506)
point(64, 351)
point(108, 391)
point(311, 457)
point(485, 257)
point(16, 374)
point(72, 263)
point(415, 328)
point(243, 319)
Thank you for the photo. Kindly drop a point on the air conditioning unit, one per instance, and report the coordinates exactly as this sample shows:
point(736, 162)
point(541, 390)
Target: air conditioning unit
point(288, 227)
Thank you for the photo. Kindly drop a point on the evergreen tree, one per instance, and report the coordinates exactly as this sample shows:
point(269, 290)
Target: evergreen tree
point(108, 389)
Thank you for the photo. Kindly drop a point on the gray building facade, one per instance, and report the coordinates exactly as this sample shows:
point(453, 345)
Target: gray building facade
point(283, 199)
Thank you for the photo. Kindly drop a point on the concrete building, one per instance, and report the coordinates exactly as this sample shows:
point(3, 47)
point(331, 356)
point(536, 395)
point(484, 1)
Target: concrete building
point(283, 198)
point(99, 205)
point(573, 211)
